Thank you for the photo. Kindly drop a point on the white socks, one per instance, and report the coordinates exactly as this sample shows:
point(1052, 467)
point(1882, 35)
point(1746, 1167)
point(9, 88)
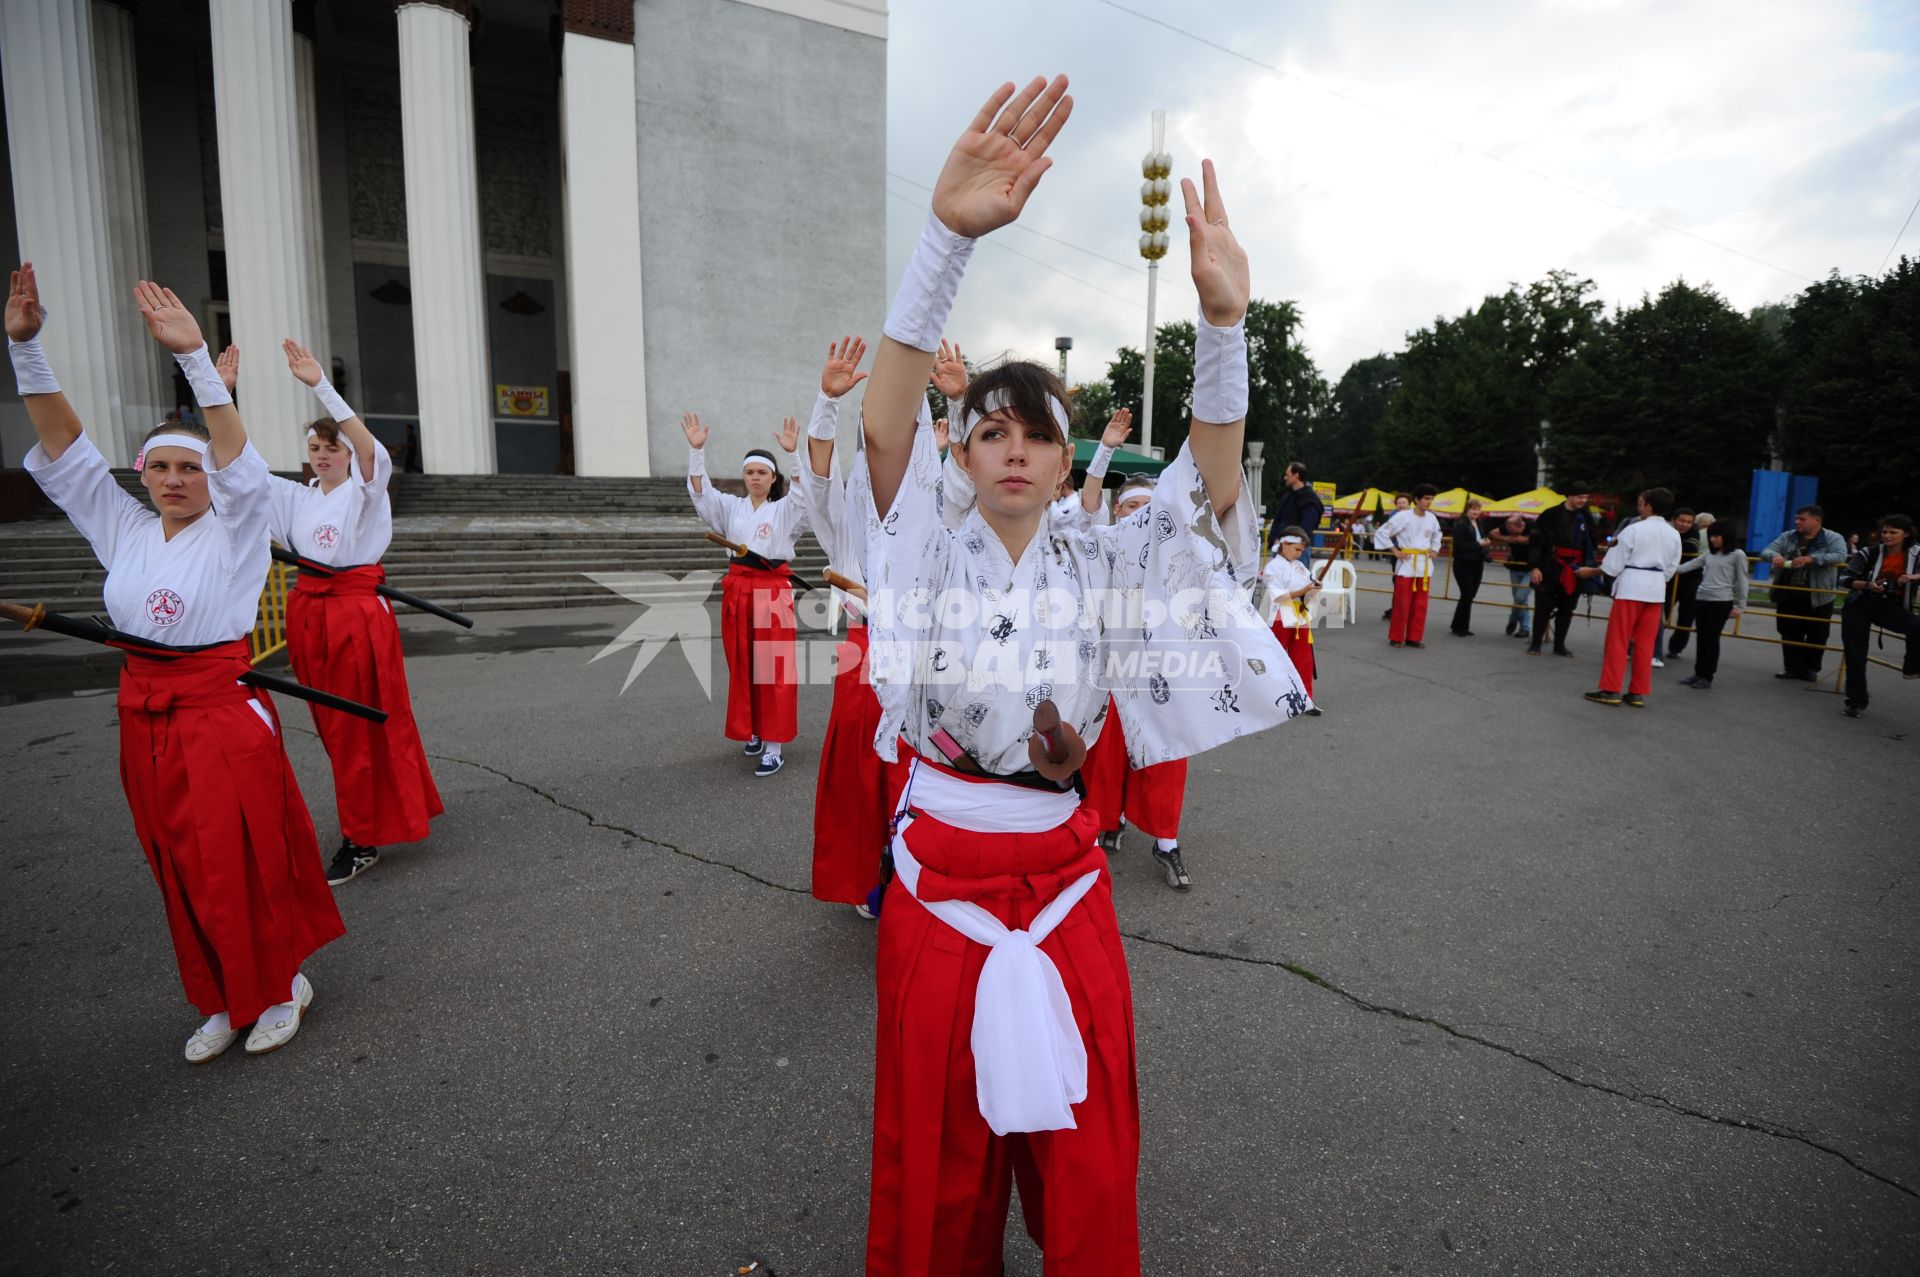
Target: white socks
point(773, 751)
point(1166, 844)
point(218, 1024)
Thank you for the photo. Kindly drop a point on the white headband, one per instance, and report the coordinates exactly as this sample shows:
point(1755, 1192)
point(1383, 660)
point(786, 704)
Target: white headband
point(1293, 540)
point(996, 400)
point(339, 438)
point(198, 446)
point(759, 456)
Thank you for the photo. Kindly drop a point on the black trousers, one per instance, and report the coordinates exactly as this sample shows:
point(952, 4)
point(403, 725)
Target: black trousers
point(1799, 623)
point(1685, 613)
point(1864, 611)
point(1550, 602)
point(1467, 575)
point(1711, 617)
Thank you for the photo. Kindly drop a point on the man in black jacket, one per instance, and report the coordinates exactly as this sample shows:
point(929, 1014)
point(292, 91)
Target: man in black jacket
point(1300, 506)
point(1562, 553)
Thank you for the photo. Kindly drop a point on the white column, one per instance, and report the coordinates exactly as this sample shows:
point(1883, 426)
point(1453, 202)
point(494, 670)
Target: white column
point(443, 241)
point(600, 142)
point(144, 396)
point(53, 134)
point(264, 217)
point(308, 128)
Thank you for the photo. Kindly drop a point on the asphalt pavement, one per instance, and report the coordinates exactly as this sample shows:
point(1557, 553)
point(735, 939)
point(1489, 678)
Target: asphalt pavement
point(1475, 977)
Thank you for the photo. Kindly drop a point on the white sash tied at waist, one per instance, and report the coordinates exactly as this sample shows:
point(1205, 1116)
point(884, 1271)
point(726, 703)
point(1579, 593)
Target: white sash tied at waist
point(1029, 1062)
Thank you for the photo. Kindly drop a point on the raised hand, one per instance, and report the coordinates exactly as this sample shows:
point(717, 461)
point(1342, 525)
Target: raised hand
point(1119, 426)
point(25, 314)
point(694, 429)
point(301, 363)
point(997, 162)
point(950, 371)
point(1220, 272)
point(168, 319)
point(940, 434)
point(788, 435)
point(228, 366)
point(838, 377)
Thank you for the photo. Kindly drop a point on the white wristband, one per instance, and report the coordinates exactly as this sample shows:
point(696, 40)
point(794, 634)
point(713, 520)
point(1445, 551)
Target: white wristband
point(696, 462)
point(208, 389)
point(1102, 457)
point(927, 290)
point(330, 400)
point(1219, 373)
point(31, 371)
point(826, 417)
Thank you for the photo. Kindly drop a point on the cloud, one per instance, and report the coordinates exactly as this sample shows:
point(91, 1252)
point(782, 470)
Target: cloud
point(1783, 130)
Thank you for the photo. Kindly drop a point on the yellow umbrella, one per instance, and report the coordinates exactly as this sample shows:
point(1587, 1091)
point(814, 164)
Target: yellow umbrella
point(1366, 499)
point(1454, 501)
point(1532, 502)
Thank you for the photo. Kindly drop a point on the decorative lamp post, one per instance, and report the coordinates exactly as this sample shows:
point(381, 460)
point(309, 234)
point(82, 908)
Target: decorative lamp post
point(1063, 345)
point(1155, 192)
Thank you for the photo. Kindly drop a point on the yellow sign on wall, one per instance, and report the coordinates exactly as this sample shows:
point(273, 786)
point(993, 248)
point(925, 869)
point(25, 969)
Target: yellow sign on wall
point(520, 401)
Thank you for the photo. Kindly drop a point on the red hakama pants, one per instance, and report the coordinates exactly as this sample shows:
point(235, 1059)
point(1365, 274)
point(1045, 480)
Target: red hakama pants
point(1297, 642)
point(941, 1177)
point(1149, 797)
point(227, 836)
point(853, 799)
point(1630, 621)
point(342, 638)
point(1409, 623)
point(757, 632)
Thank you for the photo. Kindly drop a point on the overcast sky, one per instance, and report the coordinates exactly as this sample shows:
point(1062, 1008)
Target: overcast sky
point(1787, 130)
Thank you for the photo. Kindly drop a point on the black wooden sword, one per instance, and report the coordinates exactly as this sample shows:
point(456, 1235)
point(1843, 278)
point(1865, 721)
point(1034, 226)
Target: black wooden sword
point(383, 589)
point(37, 617)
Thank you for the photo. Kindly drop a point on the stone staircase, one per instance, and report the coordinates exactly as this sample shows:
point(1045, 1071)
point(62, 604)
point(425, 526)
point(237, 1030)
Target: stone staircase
point(475, 544)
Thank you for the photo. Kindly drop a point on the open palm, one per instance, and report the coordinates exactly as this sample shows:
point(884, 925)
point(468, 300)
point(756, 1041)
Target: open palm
point(694, 429)
point(998, 161)
point(24, 312)
point(839, 375)
point(1220, 273)
point(168, 319)
point(950, 371)
point(301, 363)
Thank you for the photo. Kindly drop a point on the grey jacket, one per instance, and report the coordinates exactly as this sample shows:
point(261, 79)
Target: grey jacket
point(1722, 577)
point(1829, 552)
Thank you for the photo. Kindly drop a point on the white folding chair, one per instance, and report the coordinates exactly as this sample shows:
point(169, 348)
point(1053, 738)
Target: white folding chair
point(1339, 594)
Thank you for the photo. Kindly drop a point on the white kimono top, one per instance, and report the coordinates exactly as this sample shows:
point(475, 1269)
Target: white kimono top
point(769, 531)
point(1153, 610)
point(201, 587)
point(1643, 560)
point(1283, 574)
point(1411, 530)
point(350, 526)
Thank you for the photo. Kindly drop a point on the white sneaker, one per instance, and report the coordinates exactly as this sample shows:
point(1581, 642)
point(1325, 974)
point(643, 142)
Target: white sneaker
point(204, 1046)
point(278, 1024)
point(1659, 664)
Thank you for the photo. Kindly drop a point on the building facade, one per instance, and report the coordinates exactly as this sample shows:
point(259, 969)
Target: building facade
point(525, 235)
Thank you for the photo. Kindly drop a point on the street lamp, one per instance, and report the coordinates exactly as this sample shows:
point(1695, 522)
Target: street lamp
point(1063, 345)
point(1155, 192)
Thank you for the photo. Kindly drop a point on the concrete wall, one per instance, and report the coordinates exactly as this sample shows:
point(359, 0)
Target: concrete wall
point(762, 213)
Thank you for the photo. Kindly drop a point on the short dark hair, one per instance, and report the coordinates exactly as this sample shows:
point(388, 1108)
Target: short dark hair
point(1813, 510)
point(1575, 489)
point(1032, 391)
point(1423, 490)
point(1728, 530)
point(1900, 521)
point(1686, 510)
point(1659, 500)
point(1291, 530)
point(1299, 468)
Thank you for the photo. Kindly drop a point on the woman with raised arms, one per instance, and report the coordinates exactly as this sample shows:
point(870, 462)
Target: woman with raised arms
point(1005, 1041)
point(215, 804)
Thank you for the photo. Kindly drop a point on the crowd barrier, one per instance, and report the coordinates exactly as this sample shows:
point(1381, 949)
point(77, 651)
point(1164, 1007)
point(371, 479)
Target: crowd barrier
point(1376, 563)
point(270, 623)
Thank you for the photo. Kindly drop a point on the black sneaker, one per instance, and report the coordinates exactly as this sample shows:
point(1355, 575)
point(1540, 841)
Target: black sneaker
point(1604, 698)
point(1853, 711)
point(753, 746)
point(769, 764)
point(1563, 651)
point(1173, 867)
point(1701, 684)
point(350, 862)
point(1633, 700)
point(1110, 840)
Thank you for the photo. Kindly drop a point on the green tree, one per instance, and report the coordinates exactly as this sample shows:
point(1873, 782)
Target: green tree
point(1286, 395)
point(1341, 447)
point(1172, 384)
point(1092, 407)
point(1677, 391)
point(1851, 400)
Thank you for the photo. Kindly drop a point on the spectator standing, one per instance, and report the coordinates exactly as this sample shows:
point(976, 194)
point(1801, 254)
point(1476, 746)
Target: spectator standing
point(1880, 581)
point(1560, 556)
point(1514, 536)
point(1693, 543)
point(1469, 564)
point(1300, 506)
point(1806, 560)
point(1719, 573)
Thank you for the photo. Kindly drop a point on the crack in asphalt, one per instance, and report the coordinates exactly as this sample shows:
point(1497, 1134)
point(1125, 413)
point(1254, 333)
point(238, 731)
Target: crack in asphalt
point(594, 822)
point(1644, 1098)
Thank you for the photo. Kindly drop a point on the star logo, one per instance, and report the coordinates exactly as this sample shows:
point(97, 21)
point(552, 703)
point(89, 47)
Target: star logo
point(676, 609)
